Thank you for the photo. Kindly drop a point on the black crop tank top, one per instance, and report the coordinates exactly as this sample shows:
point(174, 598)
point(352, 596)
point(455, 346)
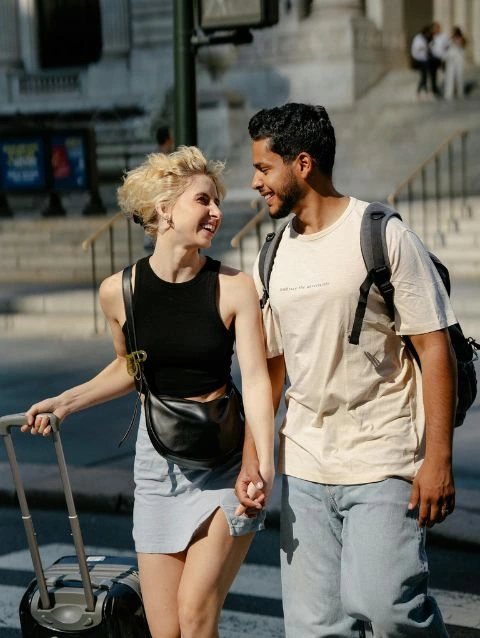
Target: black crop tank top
point(189, 349)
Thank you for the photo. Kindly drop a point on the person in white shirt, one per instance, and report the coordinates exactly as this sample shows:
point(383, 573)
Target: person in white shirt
point(438, 48)
point(419, 52)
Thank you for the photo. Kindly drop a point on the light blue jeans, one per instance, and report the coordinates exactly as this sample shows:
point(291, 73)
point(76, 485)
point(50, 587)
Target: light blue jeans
point(352, 557)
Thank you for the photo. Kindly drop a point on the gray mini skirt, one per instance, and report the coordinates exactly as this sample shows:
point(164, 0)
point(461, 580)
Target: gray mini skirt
point(171, 503)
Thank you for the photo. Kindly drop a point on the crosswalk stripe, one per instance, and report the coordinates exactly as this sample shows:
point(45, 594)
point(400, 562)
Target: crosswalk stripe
point(458, 608)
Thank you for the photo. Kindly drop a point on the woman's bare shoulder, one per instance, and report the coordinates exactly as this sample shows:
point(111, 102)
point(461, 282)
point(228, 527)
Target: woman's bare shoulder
point(238, 284)
point(235, 276)
point(111, 286)
point(110, 294)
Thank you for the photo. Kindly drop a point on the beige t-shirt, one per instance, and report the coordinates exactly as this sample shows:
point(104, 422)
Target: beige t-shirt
point(355, 412)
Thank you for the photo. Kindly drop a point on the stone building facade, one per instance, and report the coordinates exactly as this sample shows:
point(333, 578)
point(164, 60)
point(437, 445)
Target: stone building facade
point(328, 51)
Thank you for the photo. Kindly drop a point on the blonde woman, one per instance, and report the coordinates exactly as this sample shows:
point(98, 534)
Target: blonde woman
point(189, 310)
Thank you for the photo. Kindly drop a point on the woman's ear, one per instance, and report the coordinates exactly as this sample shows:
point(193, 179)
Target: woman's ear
point(165, 220)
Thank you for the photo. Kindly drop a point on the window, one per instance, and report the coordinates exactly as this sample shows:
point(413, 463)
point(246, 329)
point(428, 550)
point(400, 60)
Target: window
point(70, 32)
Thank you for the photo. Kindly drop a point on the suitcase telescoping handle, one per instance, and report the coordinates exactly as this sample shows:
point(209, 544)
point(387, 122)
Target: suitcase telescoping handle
point(17, 420)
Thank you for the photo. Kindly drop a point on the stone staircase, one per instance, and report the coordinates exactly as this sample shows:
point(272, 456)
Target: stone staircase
point(50, 250)
point(46, 276)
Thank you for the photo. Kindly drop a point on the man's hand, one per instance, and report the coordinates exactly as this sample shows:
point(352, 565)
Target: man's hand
point(433, 492)
point(249, 490)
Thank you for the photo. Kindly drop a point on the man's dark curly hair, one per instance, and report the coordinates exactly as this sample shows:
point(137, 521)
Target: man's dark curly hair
point(293, 128)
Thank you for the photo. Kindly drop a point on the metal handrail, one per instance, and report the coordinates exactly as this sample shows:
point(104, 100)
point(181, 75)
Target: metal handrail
point(254, 224)
point(421, 171)
point(89, 243)
point(416, 171)
point(91, 239)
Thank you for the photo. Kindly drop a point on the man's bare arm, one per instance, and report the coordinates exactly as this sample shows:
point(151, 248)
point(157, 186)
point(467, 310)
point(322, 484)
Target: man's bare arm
point(433, 489)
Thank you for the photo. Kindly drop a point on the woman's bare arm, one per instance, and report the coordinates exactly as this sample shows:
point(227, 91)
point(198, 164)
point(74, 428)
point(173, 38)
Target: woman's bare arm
point(112, 382)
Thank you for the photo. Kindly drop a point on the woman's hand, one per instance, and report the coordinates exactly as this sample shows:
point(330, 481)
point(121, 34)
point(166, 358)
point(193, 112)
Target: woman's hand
point(252, 488)
point(37, 422)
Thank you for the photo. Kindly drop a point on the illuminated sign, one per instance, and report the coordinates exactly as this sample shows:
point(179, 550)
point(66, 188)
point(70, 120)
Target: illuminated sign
point(22, 164)
point(45, 160)
point(69, 162)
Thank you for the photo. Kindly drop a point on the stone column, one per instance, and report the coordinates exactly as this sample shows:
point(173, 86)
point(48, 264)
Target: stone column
point(9, 40)
point(337, 7)
point(28, 34)
point(375, 12)
point(475, 32)
point(388, 18)
point(460, 14)
point(443, 14)
point(115, 26)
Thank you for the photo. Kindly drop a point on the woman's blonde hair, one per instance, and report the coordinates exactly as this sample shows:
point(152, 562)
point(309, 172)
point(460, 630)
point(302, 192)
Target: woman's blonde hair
point(161, 179)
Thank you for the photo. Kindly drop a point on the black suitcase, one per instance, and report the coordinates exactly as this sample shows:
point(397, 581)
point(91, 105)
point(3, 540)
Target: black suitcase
point(77, 596)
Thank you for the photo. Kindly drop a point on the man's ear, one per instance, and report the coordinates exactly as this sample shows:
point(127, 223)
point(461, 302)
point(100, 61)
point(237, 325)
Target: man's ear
point(305, 164)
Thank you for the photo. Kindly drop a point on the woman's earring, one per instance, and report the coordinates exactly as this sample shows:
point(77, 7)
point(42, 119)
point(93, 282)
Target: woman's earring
point(165, 222)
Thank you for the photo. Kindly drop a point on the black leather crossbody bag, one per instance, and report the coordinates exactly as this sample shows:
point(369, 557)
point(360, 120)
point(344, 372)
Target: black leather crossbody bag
point(192, 434)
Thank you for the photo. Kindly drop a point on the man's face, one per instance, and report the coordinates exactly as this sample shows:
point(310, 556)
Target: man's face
point(274, 180)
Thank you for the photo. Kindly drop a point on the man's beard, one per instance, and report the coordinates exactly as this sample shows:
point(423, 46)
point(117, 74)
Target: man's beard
point(288, 198)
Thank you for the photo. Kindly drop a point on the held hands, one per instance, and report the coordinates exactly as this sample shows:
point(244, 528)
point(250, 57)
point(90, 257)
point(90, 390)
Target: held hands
point(433, 492)
point(252, 488)
point(37, 422)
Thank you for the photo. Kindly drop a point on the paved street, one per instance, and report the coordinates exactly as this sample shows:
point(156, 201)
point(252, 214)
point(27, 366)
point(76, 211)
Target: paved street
point(34, 368)
point(253, 607)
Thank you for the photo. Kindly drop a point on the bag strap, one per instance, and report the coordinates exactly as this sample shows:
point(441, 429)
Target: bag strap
point(128, 304)
point(135, 357)
point(267, 257)
point(374, 248)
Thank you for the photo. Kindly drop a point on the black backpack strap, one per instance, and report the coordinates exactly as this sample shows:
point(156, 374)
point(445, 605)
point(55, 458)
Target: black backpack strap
point(375, 255)
point(267, 257)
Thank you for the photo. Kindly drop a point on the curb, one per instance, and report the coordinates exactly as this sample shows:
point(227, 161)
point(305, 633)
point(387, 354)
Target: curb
point(100, 489)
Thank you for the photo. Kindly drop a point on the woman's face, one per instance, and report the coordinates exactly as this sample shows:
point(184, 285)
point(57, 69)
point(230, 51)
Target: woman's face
point(196, 214)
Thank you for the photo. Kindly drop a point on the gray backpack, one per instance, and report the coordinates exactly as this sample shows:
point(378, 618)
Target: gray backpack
point(375, 255)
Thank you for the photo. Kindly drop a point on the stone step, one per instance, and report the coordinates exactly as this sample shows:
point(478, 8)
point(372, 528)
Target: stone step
point(461, 239)
point(67, 325)
point(62, 302)
point(458, 254)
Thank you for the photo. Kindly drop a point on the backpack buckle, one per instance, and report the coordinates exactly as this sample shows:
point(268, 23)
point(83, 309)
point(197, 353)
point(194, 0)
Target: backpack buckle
point(386, 288)
point(381, 278)
point(269, 236)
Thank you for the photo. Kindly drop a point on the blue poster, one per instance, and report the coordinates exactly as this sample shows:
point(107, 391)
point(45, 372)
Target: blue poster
point(69, 161)
point(22, 164)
